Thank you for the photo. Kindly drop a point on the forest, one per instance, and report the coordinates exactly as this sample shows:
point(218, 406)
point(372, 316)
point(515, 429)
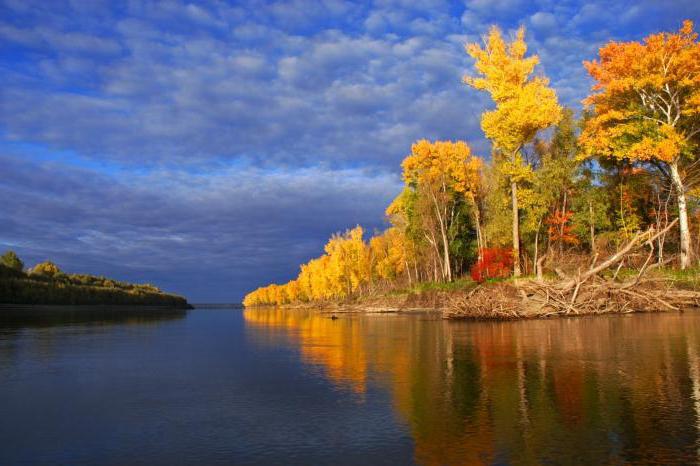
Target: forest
point(47, 284)
point(571, 208)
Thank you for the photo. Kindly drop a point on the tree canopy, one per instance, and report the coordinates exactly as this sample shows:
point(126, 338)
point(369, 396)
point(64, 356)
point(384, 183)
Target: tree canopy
point(559, 188)
point(10, 260)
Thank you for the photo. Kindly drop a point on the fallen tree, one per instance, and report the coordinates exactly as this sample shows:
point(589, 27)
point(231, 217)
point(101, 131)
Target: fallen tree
point(597, 290)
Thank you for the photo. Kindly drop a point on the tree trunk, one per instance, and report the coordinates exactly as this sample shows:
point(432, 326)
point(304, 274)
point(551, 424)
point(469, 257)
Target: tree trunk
point(479, 236)
point(537, 243)
point(436, 250)
point(516, 229)
point(446, 263)
point(561, 226)
point(659, 224)
point(591, 221)
point(682, 215)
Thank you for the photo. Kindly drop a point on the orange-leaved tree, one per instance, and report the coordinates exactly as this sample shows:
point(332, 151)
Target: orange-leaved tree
point(646, 108)
point(525, 104)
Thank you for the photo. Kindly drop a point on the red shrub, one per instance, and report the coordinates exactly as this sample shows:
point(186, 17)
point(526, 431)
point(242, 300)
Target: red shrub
point(494, 263)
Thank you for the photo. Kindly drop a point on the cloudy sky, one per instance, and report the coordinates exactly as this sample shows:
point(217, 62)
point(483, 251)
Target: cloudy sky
point(210, 147)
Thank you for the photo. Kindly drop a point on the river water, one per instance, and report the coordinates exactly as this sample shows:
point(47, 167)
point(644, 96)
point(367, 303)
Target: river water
point(268, 386)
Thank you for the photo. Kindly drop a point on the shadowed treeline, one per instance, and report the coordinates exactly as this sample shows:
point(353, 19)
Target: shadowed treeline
point(46, 284)
point(594, 391)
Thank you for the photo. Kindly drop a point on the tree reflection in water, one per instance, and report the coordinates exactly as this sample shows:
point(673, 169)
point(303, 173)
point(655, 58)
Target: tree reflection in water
point(588, 390)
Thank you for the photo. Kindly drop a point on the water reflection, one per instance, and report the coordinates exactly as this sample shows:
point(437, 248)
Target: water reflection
point(12, 319)
point(40, 333)
point(590, 390)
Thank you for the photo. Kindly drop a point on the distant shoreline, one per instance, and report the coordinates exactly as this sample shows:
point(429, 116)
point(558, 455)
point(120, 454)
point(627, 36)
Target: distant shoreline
point(46, 286)
point(6, 308)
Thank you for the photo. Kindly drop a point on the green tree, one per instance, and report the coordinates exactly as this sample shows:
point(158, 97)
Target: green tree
point(553, 185)
point(12, 261)
point(591, 208)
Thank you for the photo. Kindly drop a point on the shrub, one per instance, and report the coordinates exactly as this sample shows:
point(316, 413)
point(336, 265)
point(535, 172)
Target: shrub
point(494, 263)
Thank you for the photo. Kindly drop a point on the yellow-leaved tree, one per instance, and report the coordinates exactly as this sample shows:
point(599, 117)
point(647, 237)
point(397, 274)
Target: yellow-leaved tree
point(349, 262)
point(438, 172)
point(646, 108)
point(525, 104)
point(388, 254)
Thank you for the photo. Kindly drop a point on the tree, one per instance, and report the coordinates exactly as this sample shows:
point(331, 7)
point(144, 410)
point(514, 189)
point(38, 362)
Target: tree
point(647, 109)
point(403, 215)
point(442, 173)
point(12, 261)
point(47, 268)
point(524, 106)
point(554, 178)
point(389, 254)
point(591, 208)
point(348, 266)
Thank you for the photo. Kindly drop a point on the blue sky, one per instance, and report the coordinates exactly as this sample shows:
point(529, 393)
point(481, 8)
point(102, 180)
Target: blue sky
point(210, 147)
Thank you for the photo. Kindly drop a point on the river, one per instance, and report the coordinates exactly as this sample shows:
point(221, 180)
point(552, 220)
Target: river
point(267, 386)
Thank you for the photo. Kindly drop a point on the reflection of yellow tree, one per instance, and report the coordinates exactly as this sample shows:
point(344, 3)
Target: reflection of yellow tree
point(322, 342)
point(566, 391)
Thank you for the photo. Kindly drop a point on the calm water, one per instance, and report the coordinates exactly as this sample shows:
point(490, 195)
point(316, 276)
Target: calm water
point(290, 387)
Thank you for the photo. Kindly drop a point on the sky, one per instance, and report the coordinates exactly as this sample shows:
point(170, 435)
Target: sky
point(211, 147)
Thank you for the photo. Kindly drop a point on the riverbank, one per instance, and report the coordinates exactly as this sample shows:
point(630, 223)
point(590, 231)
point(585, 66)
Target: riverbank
point(533, 299)
point(59, 289)
point(530, 298)
point(424, 297)
point(626, 281)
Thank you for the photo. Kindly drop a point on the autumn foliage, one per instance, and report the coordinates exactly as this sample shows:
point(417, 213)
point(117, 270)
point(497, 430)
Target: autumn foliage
point(494, 263)
point(560, 229)
point(646, 109)
point(554, 185)
point(349, 264)
point(646, 98)
point(525, 104)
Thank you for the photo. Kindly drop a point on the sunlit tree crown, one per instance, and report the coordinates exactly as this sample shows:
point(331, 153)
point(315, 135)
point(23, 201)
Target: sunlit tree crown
point(646, 100)
point(525, 103)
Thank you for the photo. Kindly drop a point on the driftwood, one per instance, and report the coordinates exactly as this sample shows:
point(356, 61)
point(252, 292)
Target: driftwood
point(587, 292)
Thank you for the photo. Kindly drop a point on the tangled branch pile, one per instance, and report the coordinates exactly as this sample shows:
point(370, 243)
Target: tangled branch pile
point(589, 292)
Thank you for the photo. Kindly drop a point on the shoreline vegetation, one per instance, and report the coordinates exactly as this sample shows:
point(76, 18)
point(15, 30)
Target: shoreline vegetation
point(45, 285)
point(570, 215)
point(661, 290)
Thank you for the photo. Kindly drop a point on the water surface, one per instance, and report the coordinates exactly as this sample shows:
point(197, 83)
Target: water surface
point(268, 386)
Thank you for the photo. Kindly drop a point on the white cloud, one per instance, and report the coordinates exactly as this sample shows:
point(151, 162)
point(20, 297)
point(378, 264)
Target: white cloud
point(543, 21)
